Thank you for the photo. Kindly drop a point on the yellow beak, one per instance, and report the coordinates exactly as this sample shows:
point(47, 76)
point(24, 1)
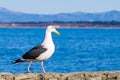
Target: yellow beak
point(56, 32)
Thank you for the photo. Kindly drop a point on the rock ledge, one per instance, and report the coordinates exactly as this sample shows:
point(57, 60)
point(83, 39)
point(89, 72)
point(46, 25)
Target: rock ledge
point(62, 76)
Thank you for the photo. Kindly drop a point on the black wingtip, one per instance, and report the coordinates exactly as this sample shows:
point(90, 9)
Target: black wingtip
point(16, 61)
point(13, 62)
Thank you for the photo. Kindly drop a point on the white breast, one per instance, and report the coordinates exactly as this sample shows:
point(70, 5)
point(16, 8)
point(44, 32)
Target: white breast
point(47, 54)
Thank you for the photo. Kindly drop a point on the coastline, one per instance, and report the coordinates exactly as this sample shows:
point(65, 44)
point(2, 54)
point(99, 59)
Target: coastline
point(102, 75)
point(61, 24)
point(67, 27)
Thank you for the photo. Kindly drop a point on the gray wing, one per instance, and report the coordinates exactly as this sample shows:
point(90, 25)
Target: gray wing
point(34, 52)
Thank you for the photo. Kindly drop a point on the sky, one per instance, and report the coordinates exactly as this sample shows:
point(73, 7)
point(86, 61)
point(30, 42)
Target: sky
point(60, 6)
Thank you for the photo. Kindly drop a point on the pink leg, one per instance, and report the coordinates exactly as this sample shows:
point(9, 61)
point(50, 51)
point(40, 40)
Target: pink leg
point(28, 68)
point(43, 69)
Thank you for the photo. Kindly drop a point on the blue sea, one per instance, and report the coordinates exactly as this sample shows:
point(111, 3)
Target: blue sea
point(77, 50)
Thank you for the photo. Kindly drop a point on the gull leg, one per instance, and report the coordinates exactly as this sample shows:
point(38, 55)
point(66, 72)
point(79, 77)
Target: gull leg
point(28, 68)
point(43, 67)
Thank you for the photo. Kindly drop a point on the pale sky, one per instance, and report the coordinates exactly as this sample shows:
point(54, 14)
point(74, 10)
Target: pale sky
point(60, 6)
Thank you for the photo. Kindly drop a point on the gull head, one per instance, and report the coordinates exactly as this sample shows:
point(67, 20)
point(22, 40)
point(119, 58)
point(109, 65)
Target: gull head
point(52, 29)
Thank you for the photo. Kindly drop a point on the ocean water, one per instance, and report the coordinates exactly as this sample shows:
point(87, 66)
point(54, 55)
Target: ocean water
point(77, 50)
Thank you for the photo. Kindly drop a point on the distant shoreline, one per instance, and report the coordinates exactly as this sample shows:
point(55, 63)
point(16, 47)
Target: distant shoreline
point(69, 27)
point(86, 24)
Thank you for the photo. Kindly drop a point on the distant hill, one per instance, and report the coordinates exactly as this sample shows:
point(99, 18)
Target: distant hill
point(12, 16)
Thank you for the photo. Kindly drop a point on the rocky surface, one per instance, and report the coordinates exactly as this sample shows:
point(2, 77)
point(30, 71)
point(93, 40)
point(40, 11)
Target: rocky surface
point(62, 76)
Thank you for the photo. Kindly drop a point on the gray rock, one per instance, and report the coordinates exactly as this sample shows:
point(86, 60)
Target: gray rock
point(6, 76)
point(62, 76)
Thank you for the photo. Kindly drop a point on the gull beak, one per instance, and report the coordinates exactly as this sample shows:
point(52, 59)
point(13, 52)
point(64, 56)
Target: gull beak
point(56, 32)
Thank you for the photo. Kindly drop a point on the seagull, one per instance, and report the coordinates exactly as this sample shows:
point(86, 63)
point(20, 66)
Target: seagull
point(41, 52)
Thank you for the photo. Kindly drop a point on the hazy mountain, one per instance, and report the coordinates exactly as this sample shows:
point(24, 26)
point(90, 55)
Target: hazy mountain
point(12, 16)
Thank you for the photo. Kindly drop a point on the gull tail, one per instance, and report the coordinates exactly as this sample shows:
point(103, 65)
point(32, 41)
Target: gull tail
point(17, 61)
